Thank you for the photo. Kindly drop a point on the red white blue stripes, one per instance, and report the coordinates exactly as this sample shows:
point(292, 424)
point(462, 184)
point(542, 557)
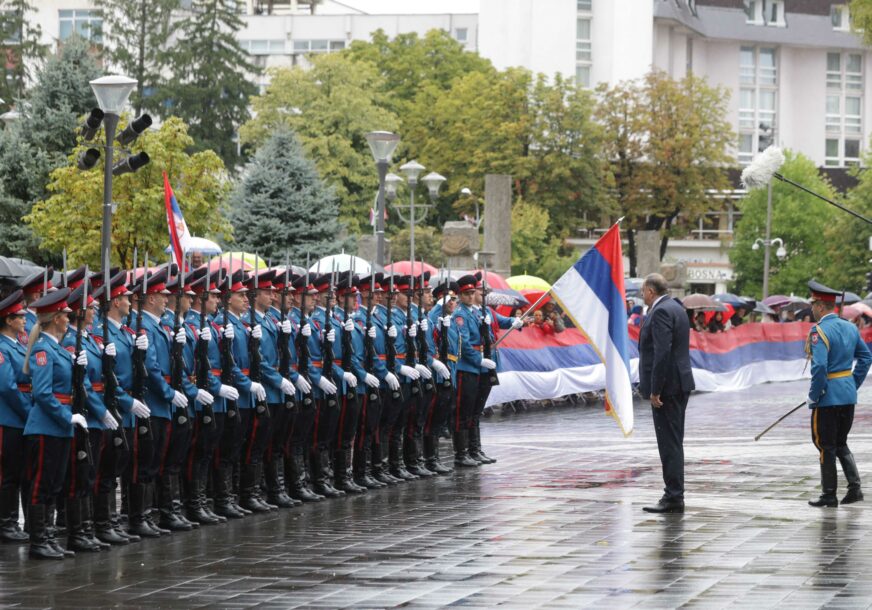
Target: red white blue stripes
point(175, 223)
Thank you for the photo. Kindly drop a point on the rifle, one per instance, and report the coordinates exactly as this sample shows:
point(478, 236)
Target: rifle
point(423, 347)
point(110, 381)
point(368, 342)
point(80, 395)
point(201, 356)
point(137, 390)
point(227, 362)
point(391, 348)
point(284, 341)
point(253, 343)
point(177, 358)
point(327, 346)
point(347, 348)
point(302, 341)
point(443, 333)
point(485, 329)
point(411, 357)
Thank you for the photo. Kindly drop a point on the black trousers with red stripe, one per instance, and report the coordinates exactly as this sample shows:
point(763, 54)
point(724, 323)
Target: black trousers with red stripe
point(368, 420)
point(439, 408)
point(230, 443)
point(47, 458)
point(349, 414)
point(257, 435)
point(281, 423)
point(160, 432)
point(113, 457)
point(326, 420)
point(13, 458)
point(81, 473)
point(465, 400)
point(829, 431)
point(484, 390)
point(300, 427)
point(204, 442)
point(137, 468)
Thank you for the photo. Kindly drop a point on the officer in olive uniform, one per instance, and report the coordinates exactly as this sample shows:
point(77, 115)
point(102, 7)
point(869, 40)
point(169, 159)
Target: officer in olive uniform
point(833, 345)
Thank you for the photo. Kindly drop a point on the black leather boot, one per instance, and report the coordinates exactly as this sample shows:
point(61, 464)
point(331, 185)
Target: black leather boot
point(151, 511)
point(849, 467)
point(297, 487)
point(115, 517)
point(431, 455)
point(88, 522)
point(137, 524)
point(378, 466)
point(77, 539)
point(103, 528)
point(829, 481)
point(169, 520)
point(9, 529)
point(320, 483)
point(274, 472)
point(395, 459)
point(178, 504)
point(36, 526)
point(224, 504)
point(194, 504)
point(362, 466)
point(475, 450)
point(462, 458)
point(342, 470)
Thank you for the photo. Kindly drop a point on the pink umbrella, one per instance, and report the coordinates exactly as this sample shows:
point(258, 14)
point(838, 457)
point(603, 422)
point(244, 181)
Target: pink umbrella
point(776, 300)
point(854, 311)
point(409, 268)
point(494, 280)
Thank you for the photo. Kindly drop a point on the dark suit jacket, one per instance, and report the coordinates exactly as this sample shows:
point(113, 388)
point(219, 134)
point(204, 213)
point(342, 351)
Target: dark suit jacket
point(664, 351)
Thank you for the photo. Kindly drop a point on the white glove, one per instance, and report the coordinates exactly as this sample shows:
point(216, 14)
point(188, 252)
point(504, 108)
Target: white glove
point(82, 358)
point(425, 325)
point(180, 401)
point(371, 332)
point(141, 341)
point(407, 371)
point(350, 379)
point(446, 321)
point(205, 334)
point(110, 422)
point(257, 332)
point(287, 386)
point(348, 326)
point(371, 380)
point(517, 323)
point(110, 350)
point(79, 420)
point(441, 369)
point(488, 320)
point(258, 390)
point(286, 327)
point(425, 372)
point(204, 397)
point(413, 330)
point(181, 337)
point(229, 333)
point(331, 336)
point(326, 385)
point(304, 386)
point(488, 364)
point(392, 381)
point(392, 332)
point(228, 392)
point(139, 409)
point(306, 330)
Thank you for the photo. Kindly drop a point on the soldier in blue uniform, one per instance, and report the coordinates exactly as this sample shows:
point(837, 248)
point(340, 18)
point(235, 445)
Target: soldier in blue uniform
point(34, 286)
point(50, 421)
point(15, 403)
point(833, 345)
point(413, 446)
point(114, 458)
point(439, 318)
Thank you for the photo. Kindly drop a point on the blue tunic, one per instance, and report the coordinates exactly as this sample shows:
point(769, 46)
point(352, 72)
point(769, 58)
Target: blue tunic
point(833, 345)
point(15, 399)
point(51, 370)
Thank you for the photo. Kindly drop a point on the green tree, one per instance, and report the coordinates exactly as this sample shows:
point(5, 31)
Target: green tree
point(330, 107)
point(212, 77)
point(532, 253)
point(428, 244)
point(71, 216)
point(135, 38)
point(40, 141)
point(800, 219)
point(20, 48)
point(861, 19)
point(668, 144)
point(848, 238)
point(281, 205)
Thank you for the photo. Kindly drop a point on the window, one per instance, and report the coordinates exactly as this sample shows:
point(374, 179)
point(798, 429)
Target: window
point(461, 34)
point(8, 35)
point(758, 100)
point(754, 11)
point(86, 23)
point(584, 5)
point(775, 13)
point(840, 17)
point(263, 47)
point(583, 46)
point(318, 46)
point(844, 103)
point(582, 75)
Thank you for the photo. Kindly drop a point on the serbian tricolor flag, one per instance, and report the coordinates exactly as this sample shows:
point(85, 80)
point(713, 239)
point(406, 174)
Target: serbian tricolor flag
point(175, 223)
point(591, 293)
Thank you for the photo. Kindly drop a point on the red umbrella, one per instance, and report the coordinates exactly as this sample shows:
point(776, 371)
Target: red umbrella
point(494, 280)
point(409, 268)
point(533, 295)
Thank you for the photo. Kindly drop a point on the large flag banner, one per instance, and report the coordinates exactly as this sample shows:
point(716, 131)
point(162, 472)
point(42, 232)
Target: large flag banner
point(591, 294)
point(179, 234)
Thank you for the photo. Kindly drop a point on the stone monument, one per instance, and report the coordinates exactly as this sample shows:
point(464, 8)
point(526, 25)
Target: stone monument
point(498, 222)
point(459, 243)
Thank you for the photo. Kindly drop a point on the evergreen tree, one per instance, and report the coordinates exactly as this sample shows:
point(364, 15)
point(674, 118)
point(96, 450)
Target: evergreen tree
point(281, 205)
point(20, 48)
point(211, 76)
point(135, 37)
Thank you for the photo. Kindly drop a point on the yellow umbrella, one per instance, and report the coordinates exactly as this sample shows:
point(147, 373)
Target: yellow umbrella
point(528, 282)
point(247, 259)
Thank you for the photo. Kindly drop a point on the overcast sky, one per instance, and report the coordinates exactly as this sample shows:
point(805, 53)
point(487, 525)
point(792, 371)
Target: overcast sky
point(412, 6)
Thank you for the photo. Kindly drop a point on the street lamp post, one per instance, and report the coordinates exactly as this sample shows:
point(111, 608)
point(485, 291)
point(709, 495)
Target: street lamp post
point(382, 144)
point(767, 243)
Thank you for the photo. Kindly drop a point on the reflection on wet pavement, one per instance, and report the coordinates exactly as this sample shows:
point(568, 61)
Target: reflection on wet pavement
point(556, 523)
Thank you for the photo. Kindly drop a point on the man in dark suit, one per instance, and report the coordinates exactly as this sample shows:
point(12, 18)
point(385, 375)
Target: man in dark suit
point(665, 376)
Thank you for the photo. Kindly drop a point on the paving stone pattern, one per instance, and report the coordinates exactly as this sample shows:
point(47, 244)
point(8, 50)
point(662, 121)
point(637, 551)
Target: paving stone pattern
point(556, 523)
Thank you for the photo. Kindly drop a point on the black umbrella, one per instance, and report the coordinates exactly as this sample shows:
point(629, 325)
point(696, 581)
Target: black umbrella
point(850, 297)
point(506, 296)
point(728, 298)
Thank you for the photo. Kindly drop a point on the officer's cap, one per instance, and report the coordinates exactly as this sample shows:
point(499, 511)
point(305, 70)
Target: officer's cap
point(368, 282)
point(322, 282)
point(12, 304)
point(74, 301)
point(467, 282)
point(439, 290)
point(52, 302)
point(262, 281)
point(819, 292)
point(157, 282)
point(34, 283)
point(346, 285)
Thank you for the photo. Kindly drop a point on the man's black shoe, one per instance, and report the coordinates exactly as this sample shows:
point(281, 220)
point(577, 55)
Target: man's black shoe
point(853, 495)
point(666, 506)
point(828, 501)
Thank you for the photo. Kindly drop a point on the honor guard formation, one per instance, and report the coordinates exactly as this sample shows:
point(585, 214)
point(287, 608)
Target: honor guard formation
point(134, 404)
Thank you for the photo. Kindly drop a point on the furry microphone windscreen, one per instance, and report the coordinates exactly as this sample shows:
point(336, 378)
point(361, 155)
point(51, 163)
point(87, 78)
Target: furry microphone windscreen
point(762, 168)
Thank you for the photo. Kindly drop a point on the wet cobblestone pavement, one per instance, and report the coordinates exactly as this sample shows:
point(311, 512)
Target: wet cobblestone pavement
point(556, 523)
